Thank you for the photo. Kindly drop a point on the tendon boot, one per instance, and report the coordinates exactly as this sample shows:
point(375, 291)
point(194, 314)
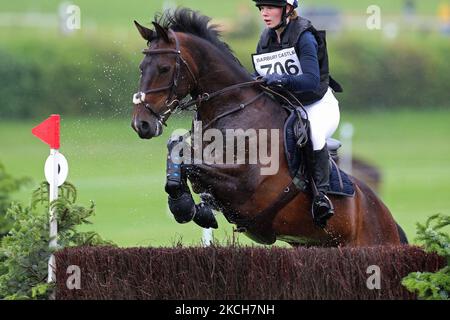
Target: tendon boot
point(180, 200)
point(322, 208)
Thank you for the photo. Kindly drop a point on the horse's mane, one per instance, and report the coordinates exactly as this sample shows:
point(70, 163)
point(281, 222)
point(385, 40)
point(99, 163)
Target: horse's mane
point(193, 22)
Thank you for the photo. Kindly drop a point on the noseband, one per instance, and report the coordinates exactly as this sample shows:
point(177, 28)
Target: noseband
point(171, 104)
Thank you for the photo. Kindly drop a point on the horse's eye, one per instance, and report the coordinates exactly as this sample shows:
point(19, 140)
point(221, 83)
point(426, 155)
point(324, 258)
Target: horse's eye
point(163, 69)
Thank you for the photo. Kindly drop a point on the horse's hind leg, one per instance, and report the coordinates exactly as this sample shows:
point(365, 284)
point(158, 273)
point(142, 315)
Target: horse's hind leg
point(375, 226)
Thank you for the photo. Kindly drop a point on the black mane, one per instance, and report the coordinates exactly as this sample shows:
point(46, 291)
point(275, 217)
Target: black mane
point(193, 22)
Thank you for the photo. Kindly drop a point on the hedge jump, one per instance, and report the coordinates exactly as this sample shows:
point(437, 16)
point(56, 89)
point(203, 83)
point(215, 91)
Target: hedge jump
point(239, 273)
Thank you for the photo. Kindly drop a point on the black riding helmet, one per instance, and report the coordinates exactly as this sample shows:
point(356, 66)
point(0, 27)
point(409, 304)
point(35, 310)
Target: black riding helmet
point(275, 3)
point(279, 3)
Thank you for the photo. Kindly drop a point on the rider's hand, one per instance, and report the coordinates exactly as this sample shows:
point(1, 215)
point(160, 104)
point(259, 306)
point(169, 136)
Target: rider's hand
point(275, 79)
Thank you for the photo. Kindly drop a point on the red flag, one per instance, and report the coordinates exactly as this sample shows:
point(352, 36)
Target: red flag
point(48, 131)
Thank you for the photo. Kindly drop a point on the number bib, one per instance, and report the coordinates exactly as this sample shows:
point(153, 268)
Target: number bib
point(284, 61)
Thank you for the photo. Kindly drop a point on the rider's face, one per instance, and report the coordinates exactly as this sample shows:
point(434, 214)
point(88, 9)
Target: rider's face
point(271, 15)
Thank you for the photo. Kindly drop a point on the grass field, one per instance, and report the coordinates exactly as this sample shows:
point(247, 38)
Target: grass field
point(125, 175)
point(116, 14)
point(227, 8)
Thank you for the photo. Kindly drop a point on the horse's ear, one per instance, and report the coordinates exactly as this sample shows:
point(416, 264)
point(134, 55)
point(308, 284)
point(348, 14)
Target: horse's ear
point(161, 32)
point(146, 33)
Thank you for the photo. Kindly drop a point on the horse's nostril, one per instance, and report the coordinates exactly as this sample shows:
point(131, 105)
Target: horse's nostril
point(145, 125)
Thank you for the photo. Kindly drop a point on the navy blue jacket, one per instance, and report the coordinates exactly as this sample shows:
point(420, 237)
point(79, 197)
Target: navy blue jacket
point(308, 48)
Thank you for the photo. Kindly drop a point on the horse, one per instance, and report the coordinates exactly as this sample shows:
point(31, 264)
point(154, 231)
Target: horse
point(187, 58)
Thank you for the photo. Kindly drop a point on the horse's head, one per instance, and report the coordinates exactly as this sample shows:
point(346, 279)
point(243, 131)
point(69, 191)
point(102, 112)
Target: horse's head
point(163, 83)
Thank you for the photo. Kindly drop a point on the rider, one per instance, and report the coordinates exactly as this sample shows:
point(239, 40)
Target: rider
point(292, 54)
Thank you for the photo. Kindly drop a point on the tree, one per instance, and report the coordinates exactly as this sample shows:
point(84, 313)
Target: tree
point(25, 249)
point(432, 286)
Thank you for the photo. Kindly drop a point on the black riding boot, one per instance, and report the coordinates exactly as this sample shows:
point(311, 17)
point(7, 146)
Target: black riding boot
point(322, 208)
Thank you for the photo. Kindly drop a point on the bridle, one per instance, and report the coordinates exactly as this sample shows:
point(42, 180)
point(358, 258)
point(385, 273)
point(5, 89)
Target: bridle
point(173, 105)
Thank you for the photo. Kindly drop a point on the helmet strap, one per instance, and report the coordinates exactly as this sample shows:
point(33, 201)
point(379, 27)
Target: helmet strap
point(284, 17)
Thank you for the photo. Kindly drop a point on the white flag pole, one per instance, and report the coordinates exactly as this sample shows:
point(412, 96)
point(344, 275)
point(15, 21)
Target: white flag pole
point(56, 170)
point(53, 195)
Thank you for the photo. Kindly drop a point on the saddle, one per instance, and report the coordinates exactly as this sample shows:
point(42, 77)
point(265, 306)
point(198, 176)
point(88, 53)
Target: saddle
point(340, 183)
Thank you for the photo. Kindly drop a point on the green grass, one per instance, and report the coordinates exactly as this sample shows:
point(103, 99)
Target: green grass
point(387, 6)
point(110, 165)
point(412, 150)
point(102, 13)
point(125, 175)
point(114, 9)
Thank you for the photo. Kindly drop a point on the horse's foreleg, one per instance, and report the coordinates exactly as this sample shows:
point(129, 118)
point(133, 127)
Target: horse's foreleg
point(180, 201)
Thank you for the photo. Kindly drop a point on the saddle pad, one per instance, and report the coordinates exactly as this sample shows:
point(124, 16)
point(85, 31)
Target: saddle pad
point(294, 160)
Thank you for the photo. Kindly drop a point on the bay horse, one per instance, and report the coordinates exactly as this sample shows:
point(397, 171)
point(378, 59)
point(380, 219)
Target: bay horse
point(187, 58)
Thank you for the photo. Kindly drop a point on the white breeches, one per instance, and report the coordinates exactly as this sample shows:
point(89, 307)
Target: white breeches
point(324, 117)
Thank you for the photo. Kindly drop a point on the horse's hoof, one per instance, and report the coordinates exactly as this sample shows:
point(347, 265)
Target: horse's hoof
point(204, 217)
point(182, 208)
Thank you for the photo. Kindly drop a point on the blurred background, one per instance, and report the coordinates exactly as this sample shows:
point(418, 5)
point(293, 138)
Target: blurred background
point(82, 62)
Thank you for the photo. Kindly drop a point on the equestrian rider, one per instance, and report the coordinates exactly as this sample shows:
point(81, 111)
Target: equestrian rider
point(292, 54)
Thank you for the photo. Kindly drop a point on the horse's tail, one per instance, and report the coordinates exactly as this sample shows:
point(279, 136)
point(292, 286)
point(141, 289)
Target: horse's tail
point(402, 234)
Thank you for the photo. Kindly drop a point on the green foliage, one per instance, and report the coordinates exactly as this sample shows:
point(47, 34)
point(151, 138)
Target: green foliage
point(8, 185)
point(78, 77)
point(391, 74)
point(25, 250)
point(432, 286)
point(434, 239)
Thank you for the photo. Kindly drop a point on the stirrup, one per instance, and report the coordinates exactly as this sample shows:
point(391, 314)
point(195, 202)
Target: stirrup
point(322, 210)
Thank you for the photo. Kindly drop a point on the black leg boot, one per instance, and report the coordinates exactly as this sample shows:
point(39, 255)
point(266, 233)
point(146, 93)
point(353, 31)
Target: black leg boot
point(181, 203)
point(180, 200)
point(204, 216)
point(322, 207)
